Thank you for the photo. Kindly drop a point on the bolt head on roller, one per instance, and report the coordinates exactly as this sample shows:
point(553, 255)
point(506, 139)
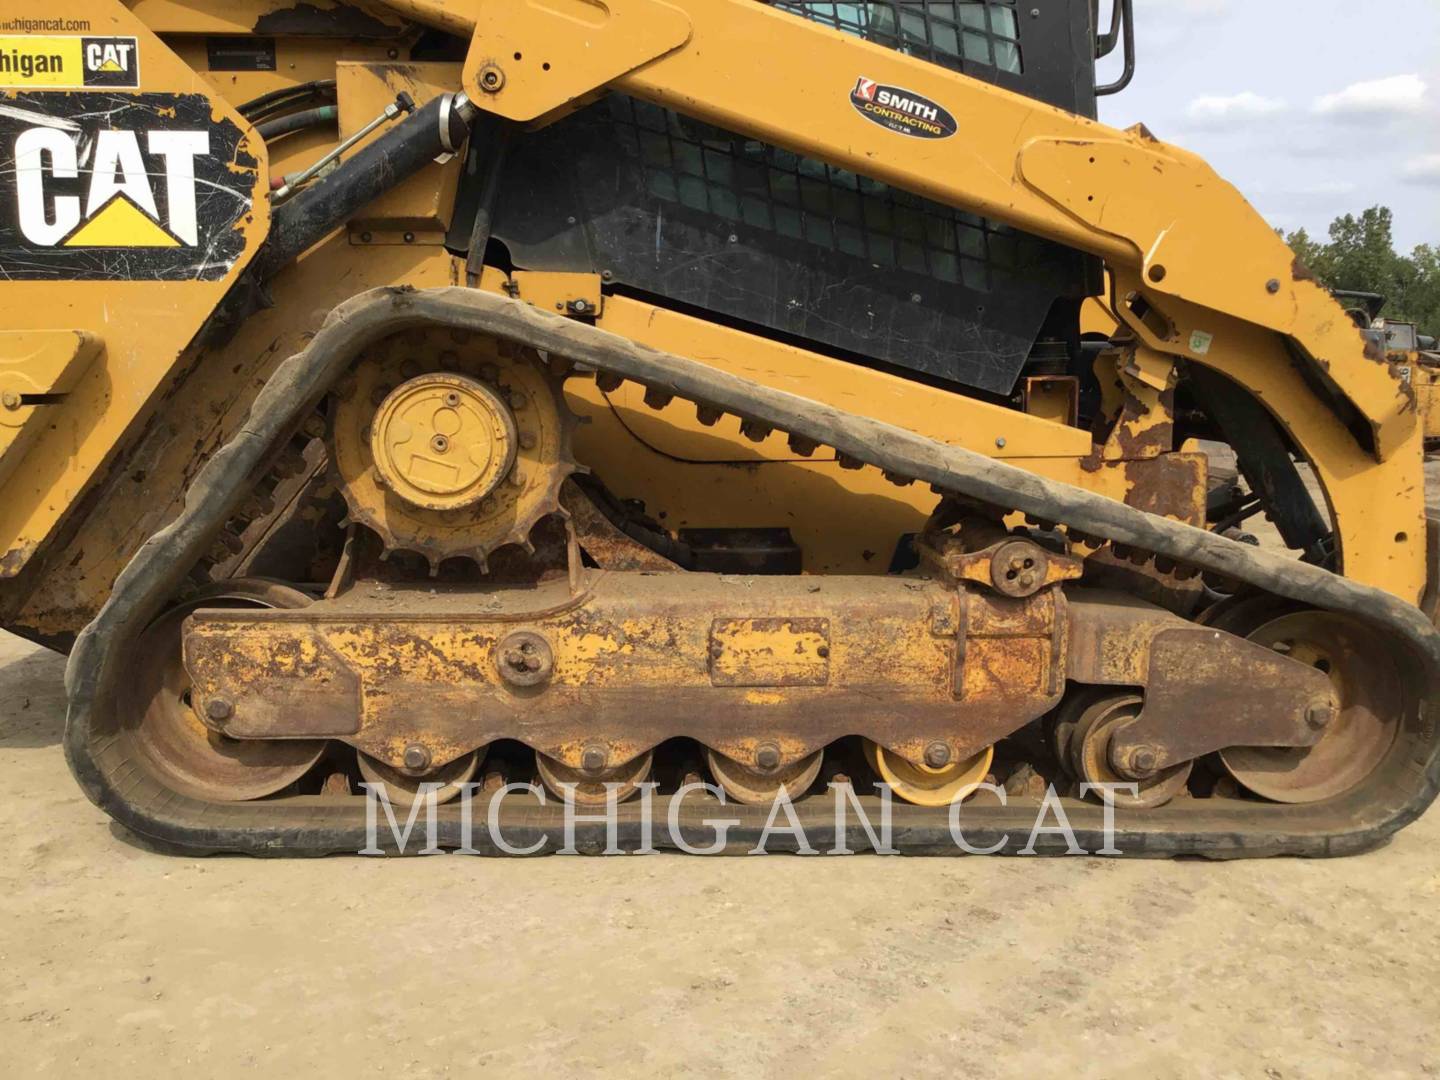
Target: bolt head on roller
point(594, 759)
point(443, 442)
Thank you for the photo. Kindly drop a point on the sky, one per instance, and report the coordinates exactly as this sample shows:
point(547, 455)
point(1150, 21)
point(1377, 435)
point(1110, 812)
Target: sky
point(1312, 108)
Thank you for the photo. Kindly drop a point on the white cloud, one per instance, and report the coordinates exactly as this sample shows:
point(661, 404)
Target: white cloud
point(1399, 95)
point(1247, 105)
point(1424, 169)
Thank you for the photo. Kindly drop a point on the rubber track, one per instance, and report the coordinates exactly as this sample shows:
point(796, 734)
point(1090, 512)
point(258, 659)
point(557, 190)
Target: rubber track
point(1400, 790)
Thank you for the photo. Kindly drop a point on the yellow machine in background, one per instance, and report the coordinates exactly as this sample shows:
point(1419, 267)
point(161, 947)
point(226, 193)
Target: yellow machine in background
point(447, 391)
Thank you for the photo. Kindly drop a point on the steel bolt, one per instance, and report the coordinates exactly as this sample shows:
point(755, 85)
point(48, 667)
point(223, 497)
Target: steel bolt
point(416, 757)
point(1144, 761)
point(1272, 286)
point(440, 444)
point(937, 755)
point(219, 709)
point(492, 79)
point(10, 399)
point(524, 659)
point(527, 441)
point(1319, 716)
point(767, 756)
point(593, 759)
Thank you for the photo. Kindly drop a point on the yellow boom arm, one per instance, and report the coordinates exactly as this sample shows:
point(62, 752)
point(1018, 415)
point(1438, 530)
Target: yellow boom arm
point(1196, 272)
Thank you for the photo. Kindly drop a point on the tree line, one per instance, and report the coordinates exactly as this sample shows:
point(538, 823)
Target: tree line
point(1360, 256)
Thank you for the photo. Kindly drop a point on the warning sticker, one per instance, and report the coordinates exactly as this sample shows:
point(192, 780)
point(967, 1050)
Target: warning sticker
point(62, 63)
point(902, 111)
point(122, 188)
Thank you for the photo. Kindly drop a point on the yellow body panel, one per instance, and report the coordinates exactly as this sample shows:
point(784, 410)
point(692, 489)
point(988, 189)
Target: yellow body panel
point(35, 366)
point(142, 326)
point(1426, 380)
point(1211, 270)
point(1017, 160)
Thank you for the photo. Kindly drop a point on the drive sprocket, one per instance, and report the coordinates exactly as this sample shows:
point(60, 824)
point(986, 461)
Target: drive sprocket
point(449, 444)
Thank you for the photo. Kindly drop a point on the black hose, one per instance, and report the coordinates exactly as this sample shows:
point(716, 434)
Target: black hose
point(304, 219)
point(265, 104)
point(298, 121)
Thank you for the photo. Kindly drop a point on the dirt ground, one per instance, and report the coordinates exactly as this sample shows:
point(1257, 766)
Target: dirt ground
point(118, 961)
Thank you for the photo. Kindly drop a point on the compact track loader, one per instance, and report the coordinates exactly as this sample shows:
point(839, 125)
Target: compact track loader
point(615, 397)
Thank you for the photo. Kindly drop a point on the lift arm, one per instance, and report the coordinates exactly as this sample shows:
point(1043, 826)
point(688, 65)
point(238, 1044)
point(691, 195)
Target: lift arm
point(1197, 273)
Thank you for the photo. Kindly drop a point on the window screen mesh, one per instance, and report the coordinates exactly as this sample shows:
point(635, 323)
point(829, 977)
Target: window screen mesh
point(799, 199)
point(952, 33)
point(714, 172)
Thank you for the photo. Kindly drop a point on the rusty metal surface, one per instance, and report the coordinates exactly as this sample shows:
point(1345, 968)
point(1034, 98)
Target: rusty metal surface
point(908, 664)
point(758, 786)
point(1091, 755)
point(770, 652)
point(1013, 567)
point(1110, 635)
point(1350, 739)
point(1208, 690)
point(610, 548)
point(172, 734)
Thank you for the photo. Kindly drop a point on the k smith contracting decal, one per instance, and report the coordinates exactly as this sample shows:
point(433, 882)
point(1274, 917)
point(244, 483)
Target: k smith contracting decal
point(120, 187)
point(55, 63)
point(901, 111)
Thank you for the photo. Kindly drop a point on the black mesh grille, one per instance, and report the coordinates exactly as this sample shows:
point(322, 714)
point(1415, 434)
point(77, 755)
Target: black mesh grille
point(952, 33)
point(681, 211)
point(714, 172)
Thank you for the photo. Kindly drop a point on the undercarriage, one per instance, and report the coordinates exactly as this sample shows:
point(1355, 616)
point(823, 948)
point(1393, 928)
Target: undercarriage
point(669, 409)
point(592, 667)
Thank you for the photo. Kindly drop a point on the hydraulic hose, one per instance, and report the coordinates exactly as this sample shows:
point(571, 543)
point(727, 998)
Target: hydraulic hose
point(298, 121)
point(441, 126)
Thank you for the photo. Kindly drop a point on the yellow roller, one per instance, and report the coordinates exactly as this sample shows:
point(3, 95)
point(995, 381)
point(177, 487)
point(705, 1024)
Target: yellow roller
point(924, 786)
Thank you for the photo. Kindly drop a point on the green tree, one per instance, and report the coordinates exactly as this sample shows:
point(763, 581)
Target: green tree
point(1360, 255)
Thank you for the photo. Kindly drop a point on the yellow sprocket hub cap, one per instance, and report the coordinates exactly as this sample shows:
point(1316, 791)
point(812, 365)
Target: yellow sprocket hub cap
point(443, 442)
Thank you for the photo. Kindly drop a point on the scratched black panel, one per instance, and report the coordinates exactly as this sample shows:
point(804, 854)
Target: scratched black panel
point(160, 238)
